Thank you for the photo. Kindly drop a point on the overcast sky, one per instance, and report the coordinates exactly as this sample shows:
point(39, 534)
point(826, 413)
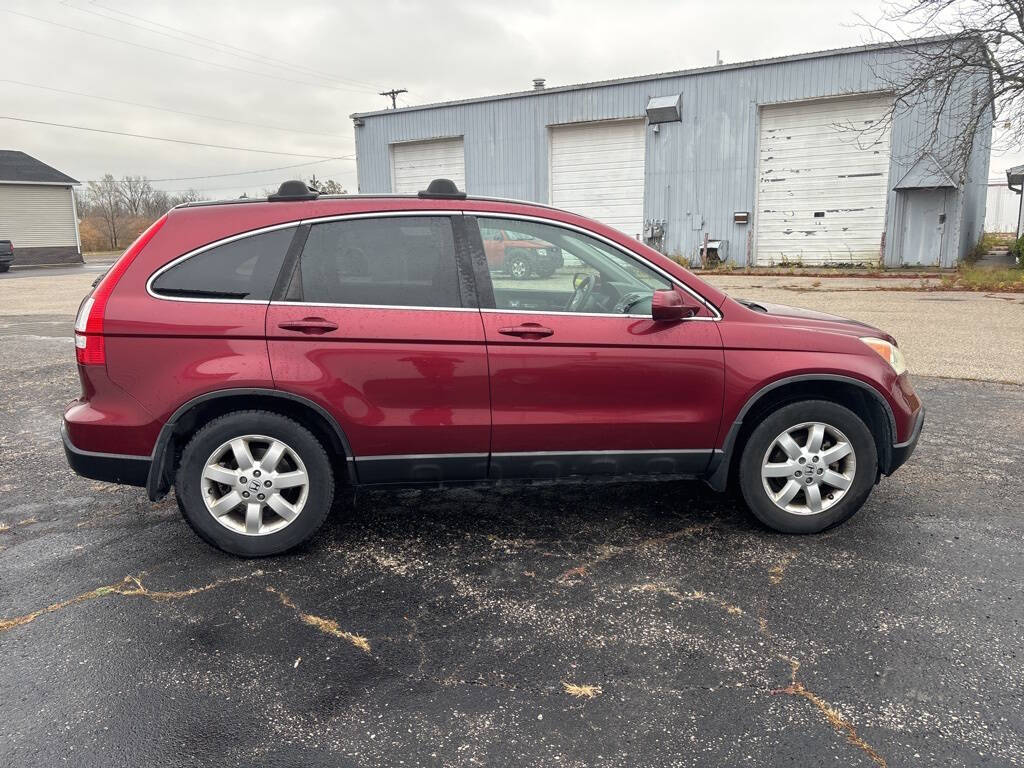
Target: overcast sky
point(289, 73)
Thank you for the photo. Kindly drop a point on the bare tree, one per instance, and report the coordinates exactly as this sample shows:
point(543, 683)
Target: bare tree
point(135, 193)
point(105, 202)
point(958, 46)
point(190, 196)
point(329, 187)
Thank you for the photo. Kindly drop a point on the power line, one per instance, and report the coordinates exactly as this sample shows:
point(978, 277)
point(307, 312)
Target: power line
point(252, 56)
point(235, 173)
point(168, 109)
point(180, 55)
point(162, 138)
point(235, 47)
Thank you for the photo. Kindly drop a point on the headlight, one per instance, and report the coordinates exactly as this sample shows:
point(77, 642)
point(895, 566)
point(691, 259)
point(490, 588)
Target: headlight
point(889, 352)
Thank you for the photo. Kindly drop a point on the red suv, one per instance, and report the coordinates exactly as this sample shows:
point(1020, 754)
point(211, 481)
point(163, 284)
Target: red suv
point(257, 355)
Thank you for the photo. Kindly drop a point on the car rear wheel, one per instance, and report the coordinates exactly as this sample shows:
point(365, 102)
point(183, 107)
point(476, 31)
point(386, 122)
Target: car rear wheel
point(808, 466)
point(517, 264)
point(544, 267)
point(254, 483)
point(4, 267)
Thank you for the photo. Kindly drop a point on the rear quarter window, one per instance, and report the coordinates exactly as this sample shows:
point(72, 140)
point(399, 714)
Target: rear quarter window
point(246, 268)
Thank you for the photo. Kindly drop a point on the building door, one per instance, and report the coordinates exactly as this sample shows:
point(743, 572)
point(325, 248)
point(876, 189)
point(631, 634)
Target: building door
point(924, 227)
point(597, 170)
point(414, 164)
point(823, 173)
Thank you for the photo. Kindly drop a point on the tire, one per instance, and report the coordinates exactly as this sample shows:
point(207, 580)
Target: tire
point(859, 468)
point(5, 267)
point(271, 533)
point(517, 264)
point(544, 267)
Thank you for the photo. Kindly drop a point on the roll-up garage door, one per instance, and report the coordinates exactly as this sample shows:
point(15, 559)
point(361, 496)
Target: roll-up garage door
point(822, 181)
point(415, 164)
point(597, 170)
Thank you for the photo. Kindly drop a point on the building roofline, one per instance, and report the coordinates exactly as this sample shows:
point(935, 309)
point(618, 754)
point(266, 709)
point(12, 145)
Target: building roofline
point(71, 183)
point(892, 45)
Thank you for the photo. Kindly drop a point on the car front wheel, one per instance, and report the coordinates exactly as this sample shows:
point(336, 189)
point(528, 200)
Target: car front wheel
point(808, 466)
point(254, 483)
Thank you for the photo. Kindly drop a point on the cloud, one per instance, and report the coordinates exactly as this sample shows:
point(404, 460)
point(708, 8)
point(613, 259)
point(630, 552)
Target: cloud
point(339, 54)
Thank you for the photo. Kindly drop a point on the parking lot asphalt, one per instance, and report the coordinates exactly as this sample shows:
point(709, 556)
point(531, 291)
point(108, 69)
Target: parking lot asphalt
point(611, 624)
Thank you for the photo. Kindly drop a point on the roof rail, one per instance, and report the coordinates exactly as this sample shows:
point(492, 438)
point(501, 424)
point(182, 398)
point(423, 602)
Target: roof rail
point(442, 189)
point(293, 190)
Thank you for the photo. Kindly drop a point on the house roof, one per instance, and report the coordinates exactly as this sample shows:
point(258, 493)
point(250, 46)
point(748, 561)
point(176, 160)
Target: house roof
point(19, 168)
point(886, 46)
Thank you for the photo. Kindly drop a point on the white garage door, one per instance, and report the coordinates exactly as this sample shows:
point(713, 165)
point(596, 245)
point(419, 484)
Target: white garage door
point(415, 164)
point(597, 170)
point(822, 181)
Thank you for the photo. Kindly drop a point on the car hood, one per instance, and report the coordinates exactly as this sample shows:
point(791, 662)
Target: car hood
point(809, 318)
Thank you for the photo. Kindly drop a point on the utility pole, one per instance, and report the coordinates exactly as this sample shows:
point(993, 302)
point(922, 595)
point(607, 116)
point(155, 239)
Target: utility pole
point(393, 93)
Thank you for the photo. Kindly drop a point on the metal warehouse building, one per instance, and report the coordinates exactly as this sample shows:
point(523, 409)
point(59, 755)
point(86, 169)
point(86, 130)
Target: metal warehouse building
point(37, 211)
point(794, 159)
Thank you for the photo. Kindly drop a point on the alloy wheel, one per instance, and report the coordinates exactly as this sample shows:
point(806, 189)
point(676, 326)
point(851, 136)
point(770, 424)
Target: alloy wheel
point(255, 485)
point(808, 468)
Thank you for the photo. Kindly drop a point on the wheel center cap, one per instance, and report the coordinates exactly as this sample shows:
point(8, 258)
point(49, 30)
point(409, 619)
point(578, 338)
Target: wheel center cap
point(254, 485)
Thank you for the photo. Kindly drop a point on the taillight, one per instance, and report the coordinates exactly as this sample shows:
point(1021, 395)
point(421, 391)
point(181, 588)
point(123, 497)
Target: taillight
point(89, 346)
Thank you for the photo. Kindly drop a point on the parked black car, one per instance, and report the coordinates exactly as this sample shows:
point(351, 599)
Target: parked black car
point(6, 255)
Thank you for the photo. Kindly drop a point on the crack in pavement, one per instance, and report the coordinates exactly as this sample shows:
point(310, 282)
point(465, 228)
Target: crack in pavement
point(832, 715)
point(838, 722)
point(129, 586)
point(327, 626)
point(571, 575)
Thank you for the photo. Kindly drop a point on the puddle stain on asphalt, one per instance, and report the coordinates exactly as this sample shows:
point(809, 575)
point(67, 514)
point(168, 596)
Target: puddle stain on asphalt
point(129, 586)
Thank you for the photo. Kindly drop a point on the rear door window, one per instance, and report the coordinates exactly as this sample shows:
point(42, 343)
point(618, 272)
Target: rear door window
point(403, 261)
point(247, 268)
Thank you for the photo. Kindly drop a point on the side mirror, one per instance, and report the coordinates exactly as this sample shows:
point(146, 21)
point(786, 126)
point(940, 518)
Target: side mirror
point(667, 306)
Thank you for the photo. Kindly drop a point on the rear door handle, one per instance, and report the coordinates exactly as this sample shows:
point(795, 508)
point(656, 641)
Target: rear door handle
point(527, 331)
point(309, 325)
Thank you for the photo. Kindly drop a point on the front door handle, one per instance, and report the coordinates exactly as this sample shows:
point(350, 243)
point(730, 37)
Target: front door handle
point(309, 325)
point(527, 331)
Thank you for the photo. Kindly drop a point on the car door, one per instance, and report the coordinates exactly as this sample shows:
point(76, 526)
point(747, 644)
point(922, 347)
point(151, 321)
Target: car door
point(596, 385)
point(380, 326)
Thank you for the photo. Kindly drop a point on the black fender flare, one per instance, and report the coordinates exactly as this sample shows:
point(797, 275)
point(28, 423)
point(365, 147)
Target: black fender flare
point(156, 488)
point(721, 461)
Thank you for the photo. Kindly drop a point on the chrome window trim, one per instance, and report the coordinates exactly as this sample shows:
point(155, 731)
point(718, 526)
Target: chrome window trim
point(272, 228)
point(622, 249)
point(420, 213)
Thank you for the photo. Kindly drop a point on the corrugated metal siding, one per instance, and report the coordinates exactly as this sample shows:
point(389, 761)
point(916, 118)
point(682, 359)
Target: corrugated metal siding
point(699, 170)
point(36, 216)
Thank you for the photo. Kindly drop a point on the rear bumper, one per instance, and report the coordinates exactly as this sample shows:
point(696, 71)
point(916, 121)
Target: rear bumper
point(108, 467)
point(901, 451)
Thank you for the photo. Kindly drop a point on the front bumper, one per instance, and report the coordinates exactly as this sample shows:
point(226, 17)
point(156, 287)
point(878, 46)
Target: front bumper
point(901, 451)
point(108, 467)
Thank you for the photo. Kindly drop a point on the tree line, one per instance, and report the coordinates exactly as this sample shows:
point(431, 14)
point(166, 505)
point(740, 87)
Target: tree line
point(112, 212)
